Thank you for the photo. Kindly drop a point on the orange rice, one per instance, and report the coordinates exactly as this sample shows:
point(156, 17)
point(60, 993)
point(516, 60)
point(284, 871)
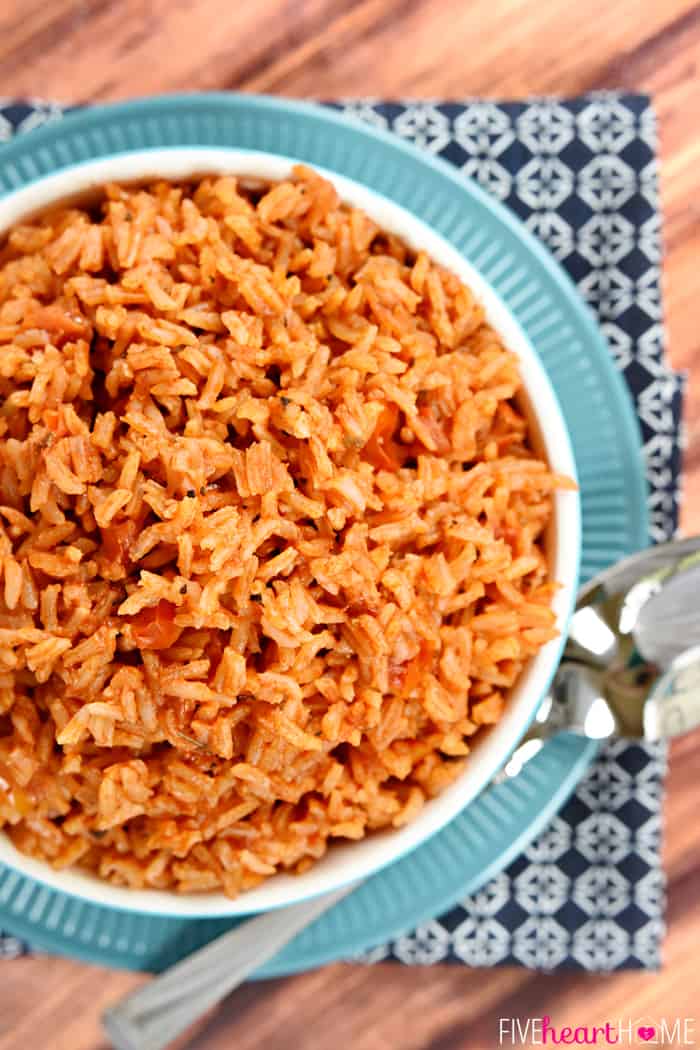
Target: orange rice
point(270, 531)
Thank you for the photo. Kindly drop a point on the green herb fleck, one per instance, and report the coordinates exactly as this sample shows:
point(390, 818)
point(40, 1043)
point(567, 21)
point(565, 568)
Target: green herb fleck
point(191, 740)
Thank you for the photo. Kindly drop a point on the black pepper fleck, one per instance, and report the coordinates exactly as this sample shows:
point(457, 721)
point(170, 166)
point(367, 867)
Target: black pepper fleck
point(191, 493)
point(256, 597)
point(285, 401)
point(183, 589)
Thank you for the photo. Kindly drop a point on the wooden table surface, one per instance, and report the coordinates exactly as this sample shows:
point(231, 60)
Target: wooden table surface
point(95, 50)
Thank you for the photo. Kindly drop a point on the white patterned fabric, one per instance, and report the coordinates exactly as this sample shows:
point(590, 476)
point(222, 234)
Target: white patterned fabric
point(588, 893)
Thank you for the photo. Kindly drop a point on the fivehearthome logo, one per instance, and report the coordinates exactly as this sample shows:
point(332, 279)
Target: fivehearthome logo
point(541, 1031)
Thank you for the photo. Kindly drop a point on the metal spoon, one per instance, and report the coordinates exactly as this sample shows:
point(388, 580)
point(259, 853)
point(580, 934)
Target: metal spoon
point(155, 1015)
point(631, 664)
point(608, 684)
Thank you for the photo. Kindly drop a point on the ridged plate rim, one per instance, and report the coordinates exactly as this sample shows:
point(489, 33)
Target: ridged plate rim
point(500, 823)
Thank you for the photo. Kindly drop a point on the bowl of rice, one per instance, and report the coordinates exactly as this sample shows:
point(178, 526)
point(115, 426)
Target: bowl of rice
point(289, 531)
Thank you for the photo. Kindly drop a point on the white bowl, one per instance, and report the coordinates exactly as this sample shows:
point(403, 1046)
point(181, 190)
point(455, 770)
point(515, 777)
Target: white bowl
point(343, 863)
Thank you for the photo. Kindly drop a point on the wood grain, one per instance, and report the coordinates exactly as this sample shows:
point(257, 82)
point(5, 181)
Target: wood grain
point(90, 50)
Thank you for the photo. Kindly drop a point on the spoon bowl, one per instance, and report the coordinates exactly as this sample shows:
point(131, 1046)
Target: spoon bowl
point(632, 660)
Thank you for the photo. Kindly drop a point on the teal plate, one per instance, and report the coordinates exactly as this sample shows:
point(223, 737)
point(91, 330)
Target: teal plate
point(496, 827)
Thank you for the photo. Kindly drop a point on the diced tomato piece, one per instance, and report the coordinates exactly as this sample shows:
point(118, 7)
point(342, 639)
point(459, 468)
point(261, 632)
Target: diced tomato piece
point(435, 429)
point(54, 422)
point(404, 678)
point(214, 651)
point(155, 627)
point(386, 517)
point(117, 540)
point(381, 450)
point(58, 320)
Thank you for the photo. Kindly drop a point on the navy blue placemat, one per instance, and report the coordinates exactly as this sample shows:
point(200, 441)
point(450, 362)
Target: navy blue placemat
point(581, 173)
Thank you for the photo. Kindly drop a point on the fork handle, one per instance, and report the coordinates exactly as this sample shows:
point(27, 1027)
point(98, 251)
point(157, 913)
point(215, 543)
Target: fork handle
point(156, 1014)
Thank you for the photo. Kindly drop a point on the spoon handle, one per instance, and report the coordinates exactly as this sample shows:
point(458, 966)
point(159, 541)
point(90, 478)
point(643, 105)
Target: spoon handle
point(156, 1014)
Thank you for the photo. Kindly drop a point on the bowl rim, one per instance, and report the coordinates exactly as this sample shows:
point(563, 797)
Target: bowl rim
point(384, 848)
